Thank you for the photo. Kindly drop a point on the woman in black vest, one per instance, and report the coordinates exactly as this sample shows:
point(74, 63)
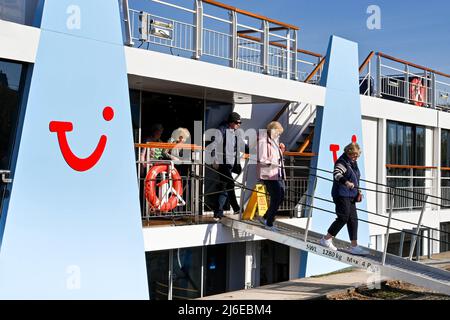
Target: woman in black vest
point(345, 193)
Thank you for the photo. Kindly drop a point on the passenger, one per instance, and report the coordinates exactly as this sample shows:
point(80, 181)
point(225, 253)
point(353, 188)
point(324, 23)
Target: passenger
point(180, 135)
point(345, 193)
point(270, 169)
point(227, 161)
point(156, 130)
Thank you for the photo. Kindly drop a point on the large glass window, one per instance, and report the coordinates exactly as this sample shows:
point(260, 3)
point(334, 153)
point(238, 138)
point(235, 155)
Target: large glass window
point(11, 79)
point(405, 144)
point(274, 262)
point(445, 237)
point(406, 147)
point(158, 274)
point(187, 281)
point(19, 11)
point(445, 164)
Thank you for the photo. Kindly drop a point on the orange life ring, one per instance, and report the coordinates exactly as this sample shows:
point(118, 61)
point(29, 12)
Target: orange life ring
point(417, 92)
point(150, 187)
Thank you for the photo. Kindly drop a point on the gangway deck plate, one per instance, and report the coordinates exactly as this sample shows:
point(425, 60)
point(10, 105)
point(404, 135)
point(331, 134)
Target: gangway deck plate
point(395, 267)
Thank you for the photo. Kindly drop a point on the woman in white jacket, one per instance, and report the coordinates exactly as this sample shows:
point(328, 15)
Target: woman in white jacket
point(270, 168)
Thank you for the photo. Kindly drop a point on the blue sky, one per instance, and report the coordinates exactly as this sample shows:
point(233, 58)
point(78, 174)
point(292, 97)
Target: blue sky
point(417, 31)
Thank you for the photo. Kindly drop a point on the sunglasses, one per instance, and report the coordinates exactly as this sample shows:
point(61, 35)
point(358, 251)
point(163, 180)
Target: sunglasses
point(238, 122)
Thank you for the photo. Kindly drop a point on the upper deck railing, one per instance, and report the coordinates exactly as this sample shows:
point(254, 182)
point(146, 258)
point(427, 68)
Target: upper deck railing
point(221, 34)
point(399, 80)
point(214, 32)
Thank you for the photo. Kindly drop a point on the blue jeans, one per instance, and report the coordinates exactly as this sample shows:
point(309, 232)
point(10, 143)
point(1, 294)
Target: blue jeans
point(275, 188)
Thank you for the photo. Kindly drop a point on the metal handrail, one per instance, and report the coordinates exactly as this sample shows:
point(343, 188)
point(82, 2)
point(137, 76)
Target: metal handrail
point(250, 14)
point(366, 61)
point(412, 64)
point(276, 44)
point(401, 166)
point(316, 69)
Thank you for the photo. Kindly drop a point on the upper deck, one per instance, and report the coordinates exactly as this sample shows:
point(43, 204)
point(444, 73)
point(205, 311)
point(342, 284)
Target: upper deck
point(222, 35)
point(217, 33)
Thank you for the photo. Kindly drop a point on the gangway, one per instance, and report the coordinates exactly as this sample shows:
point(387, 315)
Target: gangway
point(394, 267)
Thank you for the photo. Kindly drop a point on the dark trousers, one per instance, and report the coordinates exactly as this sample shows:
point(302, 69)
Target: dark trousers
point(275, 188)
point(346, 215)
point(227, 183)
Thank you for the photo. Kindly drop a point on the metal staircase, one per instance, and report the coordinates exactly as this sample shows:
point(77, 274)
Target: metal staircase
point(394, 267)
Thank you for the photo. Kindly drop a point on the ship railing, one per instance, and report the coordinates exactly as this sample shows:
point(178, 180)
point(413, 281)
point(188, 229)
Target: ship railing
point(445, 187)
point(189, 168)
point(390, 78)
point(409, 185)
point(221, 34)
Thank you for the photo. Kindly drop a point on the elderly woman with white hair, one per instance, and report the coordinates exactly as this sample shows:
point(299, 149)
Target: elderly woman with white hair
point(180, 135)
point(346, 193)
point(270, 169)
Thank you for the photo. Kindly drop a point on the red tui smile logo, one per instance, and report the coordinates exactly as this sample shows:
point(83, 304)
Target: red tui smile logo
point(76, 163)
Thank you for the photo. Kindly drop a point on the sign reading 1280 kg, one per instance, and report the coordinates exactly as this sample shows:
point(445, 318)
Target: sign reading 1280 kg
point(342, 257)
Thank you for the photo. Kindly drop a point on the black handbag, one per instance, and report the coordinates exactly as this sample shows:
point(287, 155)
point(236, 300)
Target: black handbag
point(237, 168)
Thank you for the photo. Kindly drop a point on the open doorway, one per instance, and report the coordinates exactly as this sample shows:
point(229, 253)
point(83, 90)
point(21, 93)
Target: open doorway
point(167, 113)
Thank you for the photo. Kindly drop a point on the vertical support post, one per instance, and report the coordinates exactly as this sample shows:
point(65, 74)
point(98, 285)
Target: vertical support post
point(126, 19)
point(170, 276)
point(433, 91)
point(437, 179)
point(381, 167)
point(234, 39)
point(250, 264)
point(379, 94)
point(294, 55)
point(430, 246)
point(414, 239)
point(294, 187)
point(288, 54)
point(406, 86)
point(369, 78)
point(243, 190)
point(309, 209)
point(198, 35)
point(265, 47)
point(402, 241)
point(411, 197)
point(197, 210)
point(202, 271)
point(386, 237)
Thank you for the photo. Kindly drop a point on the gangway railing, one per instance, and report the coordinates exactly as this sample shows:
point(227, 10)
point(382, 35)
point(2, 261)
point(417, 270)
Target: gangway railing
point(393, 267)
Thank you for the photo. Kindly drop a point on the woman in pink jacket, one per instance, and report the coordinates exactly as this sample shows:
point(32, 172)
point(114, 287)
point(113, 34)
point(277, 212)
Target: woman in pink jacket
point(270, 169)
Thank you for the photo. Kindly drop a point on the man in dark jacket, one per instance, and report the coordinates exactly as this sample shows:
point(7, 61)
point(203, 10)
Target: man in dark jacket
point(227, 161)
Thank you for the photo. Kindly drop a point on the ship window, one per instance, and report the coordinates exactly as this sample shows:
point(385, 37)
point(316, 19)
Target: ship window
point(405, 144)
point(11, 86)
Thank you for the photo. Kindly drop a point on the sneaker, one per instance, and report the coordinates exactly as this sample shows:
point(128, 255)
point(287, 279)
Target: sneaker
point(358, 251)
point(271, 228)
point(327, 243)
point(262, 220)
